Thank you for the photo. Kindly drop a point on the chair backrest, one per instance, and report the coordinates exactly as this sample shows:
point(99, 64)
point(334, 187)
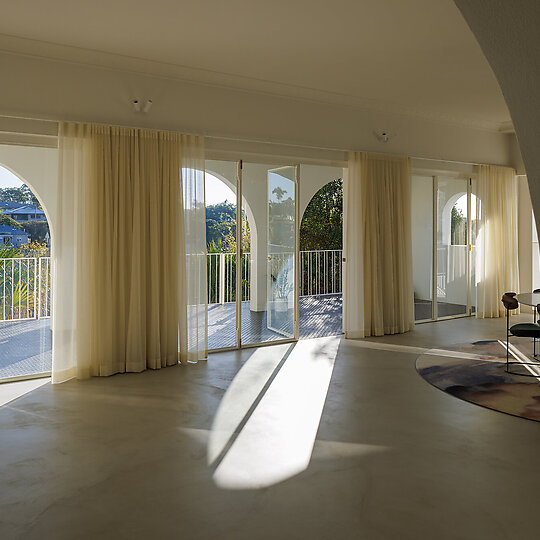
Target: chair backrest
point(509, 301)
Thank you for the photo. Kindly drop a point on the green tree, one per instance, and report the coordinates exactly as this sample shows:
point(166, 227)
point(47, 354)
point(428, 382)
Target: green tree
point(221, 228)
point(6, 220)
point(11, 194)
point(220, 223)
point(458, 227)
point(29, 196)
point(279, 192)
point(36, 229)
point(22, 194)
point(322, 224)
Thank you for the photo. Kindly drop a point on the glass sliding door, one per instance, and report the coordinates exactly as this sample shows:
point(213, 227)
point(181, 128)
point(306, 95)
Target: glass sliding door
point(452, 247)
point(474, 212)
point(281, 251)
point(443, 224)
point(422, 245)
point(269, 199)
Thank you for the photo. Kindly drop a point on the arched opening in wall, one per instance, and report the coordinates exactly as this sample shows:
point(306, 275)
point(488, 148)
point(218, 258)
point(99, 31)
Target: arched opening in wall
point(455, 260)
point(221, 240)
point(25, 281)
point(321, 245)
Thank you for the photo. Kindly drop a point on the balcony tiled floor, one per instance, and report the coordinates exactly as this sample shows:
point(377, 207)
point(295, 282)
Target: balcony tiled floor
point(319, 316)
point(25, 346)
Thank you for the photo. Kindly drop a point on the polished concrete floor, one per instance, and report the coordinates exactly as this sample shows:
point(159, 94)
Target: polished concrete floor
point(324, 439)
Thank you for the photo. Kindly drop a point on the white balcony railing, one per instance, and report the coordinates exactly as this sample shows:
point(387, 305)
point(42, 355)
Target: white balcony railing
point(25, 288)
point(221, 272)
point(320, 271)
point(25, 282)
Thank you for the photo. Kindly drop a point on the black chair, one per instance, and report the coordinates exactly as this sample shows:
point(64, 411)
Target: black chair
point(530, 330)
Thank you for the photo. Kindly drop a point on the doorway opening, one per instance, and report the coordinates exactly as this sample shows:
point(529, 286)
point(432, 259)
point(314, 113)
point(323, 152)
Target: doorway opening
point(25, 281)
point(443, 212)
point(321, 255)
point(251, 255)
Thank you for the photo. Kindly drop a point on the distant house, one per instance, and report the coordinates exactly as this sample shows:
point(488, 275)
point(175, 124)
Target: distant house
point(23, 212)
point(13, 237)
point(9, 205)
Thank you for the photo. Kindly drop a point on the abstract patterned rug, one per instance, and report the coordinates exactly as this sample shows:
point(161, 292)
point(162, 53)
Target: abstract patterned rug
point(475, 372)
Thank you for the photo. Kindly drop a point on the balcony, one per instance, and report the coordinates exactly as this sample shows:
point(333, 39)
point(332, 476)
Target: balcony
point(320, 302)
point(25, 307)
point(25, 310)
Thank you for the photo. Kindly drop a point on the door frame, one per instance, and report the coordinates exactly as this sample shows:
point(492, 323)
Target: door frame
point(239, 254)
point(435, 215)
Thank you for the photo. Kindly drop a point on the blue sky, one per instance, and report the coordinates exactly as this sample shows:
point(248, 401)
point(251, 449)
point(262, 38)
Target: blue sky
point(8, 179)
point(217, 191)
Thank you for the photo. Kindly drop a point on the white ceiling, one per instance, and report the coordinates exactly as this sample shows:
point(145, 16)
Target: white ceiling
point(411, 56)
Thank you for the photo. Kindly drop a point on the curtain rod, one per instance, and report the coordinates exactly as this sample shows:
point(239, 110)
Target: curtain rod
point(330, 149)
point(253, 141)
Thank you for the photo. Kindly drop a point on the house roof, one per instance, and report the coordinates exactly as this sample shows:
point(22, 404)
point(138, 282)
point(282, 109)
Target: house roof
point(6, 229)
point(9, 204)
point(24, 209)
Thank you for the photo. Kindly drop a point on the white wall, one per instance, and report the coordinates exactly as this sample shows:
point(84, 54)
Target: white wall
point(507, 31)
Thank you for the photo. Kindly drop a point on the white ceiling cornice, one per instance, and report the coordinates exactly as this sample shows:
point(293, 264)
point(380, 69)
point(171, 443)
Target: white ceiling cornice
point(120, 63)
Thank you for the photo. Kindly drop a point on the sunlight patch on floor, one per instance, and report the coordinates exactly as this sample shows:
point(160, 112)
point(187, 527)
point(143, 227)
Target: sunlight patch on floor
point(14, 390)
point(277, 432)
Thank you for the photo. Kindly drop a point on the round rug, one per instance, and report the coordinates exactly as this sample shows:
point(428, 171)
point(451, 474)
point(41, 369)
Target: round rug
point(475, 372)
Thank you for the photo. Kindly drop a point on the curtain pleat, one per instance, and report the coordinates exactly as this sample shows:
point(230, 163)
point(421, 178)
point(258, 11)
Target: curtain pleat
point(121, 265)
point(379, 295)
point(194, 325)
point(497, 266)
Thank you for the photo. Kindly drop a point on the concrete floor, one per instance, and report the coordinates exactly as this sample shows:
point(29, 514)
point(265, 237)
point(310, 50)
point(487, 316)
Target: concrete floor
point(325, 439)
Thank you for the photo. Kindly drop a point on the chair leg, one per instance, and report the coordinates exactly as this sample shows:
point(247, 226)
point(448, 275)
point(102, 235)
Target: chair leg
point(507, 337)
point(534, 339)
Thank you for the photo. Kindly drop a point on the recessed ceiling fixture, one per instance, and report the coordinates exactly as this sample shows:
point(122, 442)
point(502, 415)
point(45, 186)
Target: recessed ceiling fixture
point(147, 106)
point(144, 108)
point(383, 135)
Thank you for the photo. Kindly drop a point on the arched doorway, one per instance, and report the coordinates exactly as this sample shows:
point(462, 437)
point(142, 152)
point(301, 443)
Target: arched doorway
point(321, 245)
point(25, 280)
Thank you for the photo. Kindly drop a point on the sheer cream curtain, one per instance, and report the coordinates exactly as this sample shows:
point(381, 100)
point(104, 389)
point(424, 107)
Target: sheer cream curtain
point(378, 293)
point(120, 267)
point(497, 268)
point(194, 320)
